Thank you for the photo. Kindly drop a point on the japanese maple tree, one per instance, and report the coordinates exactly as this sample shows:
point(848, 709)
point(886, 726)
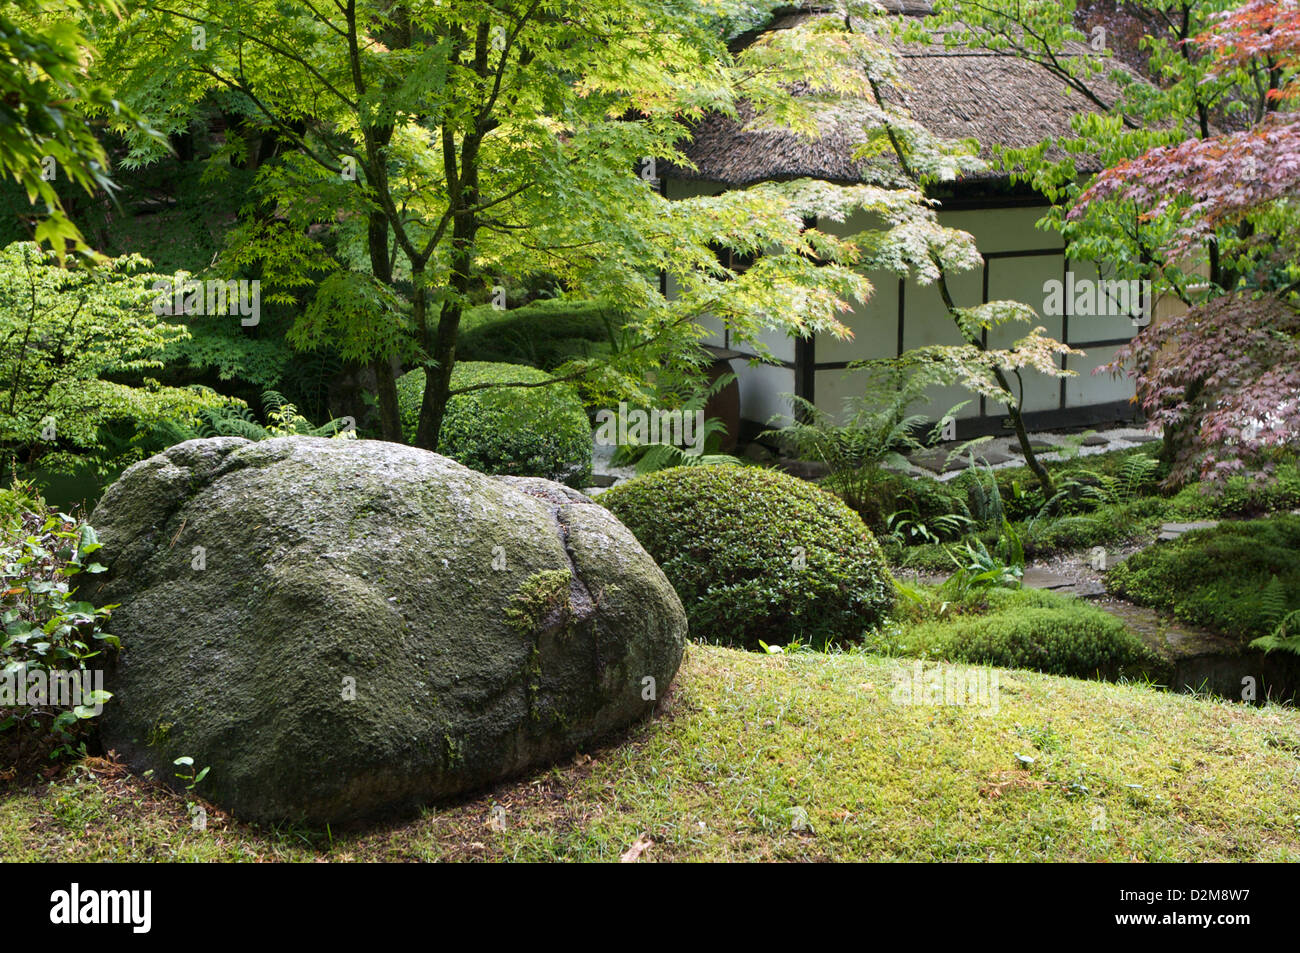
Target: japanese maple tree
point(1225, 375)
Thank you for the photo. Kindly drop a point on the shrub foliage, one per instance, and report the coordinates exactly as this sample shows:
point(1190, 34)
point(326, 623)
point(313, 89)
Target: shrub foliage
point(44, 629)
point(537, 431)
point(1221, 578)
point(1030, 629)
point(757, 555)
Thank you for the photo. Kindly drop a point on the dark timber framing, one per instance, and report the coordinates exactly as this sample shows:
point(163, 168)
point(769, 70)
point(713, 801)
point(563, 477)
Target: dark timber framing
point(805, 364)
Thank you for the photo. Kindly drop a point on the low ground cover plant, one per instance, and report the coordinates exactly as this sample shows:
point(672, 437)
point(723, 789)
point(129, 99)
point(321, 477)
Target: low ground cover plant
point(1102, 500)
point(49, 638)
point(1239, 578)
point(1016, 628)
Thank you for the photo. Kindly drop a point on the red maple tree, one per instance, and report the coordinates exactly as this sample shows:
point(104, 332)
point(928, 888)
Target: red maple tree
point(1223, 379)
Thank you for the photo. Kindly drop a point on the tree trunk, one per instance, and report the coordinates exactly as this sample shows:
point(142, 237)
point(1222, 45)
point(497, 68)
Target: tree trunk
point(437, 384)
point(1022, 435)
point(390, 421)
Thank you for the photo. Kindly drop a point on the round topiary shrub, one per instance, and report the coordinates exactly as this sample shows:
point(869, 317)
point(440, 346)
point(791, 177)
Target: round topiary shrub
point(517, 431)
point(756, 555)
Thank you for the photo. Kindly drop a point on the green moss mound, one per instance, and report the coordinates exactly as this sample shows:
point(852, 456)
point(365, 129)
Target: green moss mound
point(1034, 630)
point(1238, 496)
point(515, 431)
point(1238, 578)
point(756, 555)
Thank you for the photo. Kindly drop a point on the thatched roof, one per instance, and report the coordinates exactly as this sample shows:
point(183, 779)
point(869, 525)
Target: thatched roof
point(958, 93)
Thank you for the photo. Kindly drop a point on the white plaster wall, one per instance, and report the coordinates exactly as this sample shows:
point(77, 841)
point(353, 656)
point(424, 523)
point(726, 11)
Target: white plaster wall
point(874, 325)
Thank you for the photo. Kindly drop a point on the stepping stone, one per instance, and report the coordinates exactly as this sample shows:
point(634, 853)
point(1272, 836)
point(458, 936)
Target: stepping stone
point(602, 480)
point(1095, 440)
point(1084, 589)
point(995, 457)
point(1036, 578)
point(1142, 438)
point(934, 461)
point(1170, 531)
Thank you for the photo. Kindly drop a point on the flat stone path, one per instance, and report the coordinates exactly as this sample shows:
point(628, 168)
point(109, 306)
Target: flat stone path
point(1004, 451)
point(1170, 531)
point(1037, 577)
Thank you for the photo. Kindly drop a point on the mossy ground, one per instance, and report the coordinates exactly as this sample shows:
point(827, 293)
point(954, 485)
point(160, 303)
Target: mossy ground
point(748, 745)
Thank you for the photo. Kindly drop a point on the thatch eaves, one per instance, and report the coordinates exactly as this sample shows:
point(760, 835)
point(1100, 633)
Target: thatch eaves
point(998, 99)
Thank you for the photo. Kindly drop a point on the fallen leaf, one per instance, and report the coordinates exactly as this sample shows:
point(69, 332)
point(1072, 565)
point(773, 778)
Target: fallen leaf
point(633, 853)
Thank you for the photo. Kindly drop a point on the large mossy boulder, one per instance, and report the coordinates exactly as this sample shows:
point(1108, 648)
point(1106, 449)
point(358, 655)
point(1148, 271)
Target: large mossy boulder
point(345, 629)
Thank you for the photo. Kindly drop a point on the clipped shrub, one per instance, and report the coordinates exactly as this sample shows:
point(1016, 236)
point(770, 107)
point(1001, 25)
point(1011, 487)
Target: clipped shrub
point(542, 334)
point(1238, 496)
point(757, 555)
point(1221, 578)
point(517, 431)
point(1032, 630)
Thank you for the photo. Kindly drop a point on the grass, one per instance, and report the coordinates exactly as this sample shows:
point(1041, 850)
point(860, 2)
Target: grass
point(748, 745)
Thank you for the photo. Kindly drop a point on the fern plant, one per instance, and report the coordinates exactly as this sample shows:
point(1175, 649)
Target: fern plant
point(661, 456)
point(878, 430)
point(985, 502)
point(238, 420)
point(977, 568)
point(650, 457)
point(908, 528)
point(1136, 476)
point(1285, 636)
point(1286, 624)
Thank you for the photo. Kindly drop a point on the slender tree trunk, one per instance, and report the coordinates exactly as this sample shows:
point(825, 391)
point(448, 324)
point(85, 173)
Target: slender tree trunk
point(1013, 404)
point(437, 384)
point(390, 421)
point(1022, 435)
